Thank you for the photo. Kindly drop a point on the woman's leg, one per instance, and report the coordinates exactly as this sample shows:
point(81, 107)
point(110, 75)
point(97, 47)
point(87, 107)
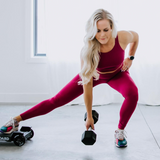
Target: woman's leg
point(71, 91)
point(124, 84)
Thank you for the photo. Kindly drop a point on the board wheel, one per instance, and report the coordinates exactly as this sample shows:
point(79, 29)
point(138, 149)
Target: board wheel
point(19, 140)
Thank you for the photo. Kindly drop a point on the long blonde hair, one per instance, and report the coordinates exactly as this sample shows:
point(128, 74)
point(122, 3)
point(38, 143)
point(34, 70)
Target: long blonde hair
point(91, 49)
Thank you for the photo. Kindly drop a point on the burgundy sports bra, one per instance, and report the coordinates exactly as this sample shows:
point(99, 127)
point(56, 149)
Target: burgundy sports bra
point(111, 61)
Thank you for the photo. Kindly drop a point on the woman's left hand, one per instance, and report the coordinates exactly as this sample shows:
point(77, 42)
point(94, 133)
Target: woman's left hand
point(126, 64)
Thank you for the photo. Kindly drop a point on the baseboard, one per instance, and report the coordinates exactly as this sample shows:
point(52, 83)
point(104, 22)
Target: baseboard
point(23, 97)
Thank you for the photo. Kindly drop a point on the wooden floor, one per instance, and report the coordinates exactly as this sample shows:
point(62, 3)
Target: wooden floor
point(58, 134)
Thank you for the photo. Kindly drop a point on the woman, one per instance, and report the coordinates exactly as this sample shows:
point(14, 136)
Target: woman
point(102, 61)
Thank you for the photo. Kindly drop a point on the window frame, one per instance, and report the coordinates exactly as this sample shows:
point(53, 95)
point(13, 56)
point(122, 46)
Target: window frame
point(35, 26)
point(29, 33)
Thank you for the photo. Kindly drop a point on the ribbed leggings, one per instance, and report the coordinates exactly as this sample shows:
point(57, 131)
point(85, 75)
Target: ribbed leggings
point(120, 81)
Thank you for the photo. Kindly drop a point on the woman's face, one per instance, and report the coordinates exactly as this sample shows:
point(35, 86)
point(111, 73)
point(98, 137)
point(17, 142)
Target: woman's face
point(104, 31)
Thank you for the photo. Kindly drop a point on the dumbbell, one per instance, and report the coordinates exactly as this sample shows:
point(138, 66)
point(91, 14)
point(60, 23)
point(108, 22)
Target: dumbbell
point(89, 137)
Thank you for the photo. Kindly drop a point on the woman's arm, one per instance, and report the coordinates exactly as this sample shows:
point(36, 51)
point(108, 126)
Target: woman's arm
point(125, 38)
point(128, 37)
point(132, 38)
point(88, 96)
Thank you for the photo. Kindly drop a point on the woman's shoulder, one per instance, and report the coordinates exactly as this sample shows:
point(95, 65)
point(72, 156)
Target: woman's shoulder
point(126, 36)
point(123, 36)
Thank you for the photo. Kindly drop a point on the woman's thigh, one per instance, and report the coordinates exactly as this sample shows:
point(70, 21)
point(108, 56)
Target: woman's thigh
point(124, 84)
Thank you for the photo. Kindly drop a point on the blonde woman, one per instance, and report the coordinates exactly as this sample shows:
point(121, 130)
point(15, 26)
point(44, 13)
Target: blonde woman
point(102, 61)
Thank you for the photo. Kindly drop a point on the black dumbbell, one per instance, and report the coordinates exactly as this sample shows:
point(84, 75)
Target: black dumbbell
point(89, 137)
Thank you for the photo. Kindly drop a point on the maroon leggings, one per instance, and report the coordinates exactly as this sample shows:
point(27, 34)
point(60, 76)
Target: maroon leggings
point(120, 81)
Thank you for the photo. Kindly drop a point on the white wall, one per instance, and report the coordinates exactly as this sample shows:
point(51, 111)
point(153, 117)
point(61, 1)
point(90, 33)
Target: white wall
point(20, 80)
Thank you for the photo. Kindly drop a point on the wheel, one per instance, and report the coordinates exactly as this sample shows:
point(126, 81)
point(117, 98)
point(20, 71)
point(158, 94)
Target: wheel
point(19, 140)
point(32, 134)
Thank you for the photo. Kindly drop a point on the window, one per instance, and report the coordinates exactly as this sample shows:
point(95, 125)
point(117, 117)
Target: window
point(39, 36)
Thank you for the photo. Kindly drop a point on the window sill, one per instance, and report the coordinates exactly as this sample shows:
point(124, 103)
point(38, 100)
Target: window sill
point(36, 59)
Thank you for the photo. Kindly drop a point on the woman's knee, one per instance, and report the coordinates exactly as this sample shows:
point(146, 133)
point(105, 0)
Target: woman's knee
point(135, 93)
point(132, 92)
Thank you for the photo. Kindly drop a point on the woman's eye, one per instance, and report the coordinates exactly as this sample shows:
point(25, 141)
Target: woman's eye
point(106, 30)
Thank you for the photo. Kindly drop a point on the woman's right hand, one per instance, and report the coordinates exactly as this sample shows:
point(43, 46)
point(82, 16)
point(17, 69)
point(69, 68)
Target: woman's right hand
point(89, 123)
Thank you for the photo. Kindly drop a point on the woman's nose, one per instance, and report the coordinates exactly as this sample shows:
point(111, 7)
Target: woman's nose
point(102, 34)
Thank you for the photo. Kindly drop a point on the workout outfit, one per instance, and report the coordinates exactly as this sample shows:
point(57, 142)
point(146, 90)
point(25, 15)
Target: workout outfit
point(120, 81)
point(110, 63)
